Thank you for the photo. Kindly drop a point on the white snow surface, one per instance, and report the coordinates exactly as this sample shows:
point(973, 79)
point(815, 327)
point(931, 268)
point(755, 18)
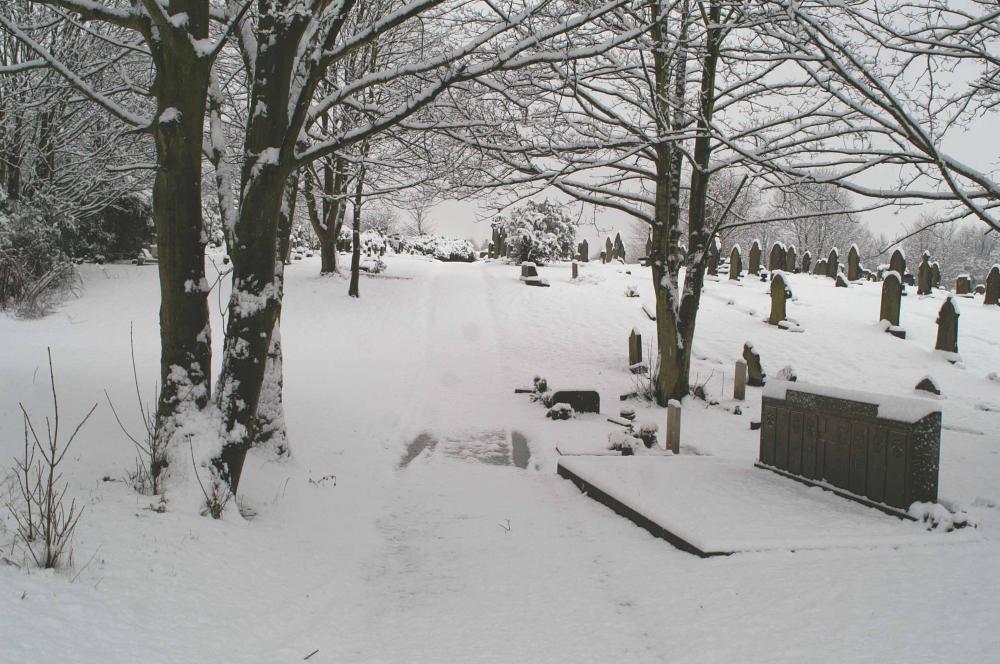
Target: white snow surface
point(375, 543)
point(900, 409)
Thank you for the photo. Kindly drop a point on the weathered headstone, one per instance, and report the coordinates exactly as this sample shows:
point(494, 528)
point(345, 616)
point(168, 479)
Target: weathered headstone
point(674, 426)
point(618, 248)
point(634, 349)
point(947, 322)
point(833, 264)
point(909, 280)
point(841, 280)
point(892, 293)
point(740, 381)
point(609, 250)
point(754, 265)
point(925, 275)
point(791, 260)
point(649, 245)
point(992, 294)
point(807, 259)
point(576, 270)
point(776, 259)
point(897, 263)
point(820, 267)
point(779, 293)
point(980, 289)
point(582, 401)
point(755, 372)
point(928, 385)
point(936, 274)
point(584, 251)
point(963, 285)
point(714, 245)
point(735, 263)
point(528, 270)
point(853, 264)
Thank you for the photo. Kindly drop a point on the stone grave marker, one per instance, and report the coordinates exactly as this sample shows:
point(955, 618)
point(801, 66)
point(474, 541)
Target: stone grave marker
point(735, 263)
point(892, 293)
point(791, 259)
point(755, 372)
point(649, 245)
point(779, 294)
point(980, 289)
point(618, 248)
point(776, 259)
point(992, 292)
point(833, 264)
point(584, 250)
point(576, 270)
point(820, 267)
point(936, 274)
point(740, 381)
point(909, 280)
point(528, 270)
point(807, 259)
point(947, 322)
point(925, 274)
point(897, 263)
point(582, 401)
point(634, 351)
point(841, 280)
point(853, 264)
point(714, 246)
point(674, 426)
point(609, 250)
point(963, 285)
point(754, 266)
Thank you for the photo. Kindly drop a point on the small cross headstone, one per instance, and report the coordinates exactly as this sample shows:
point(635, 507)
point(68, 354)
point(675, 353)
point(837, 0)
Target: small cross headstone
point(897, 262)
point(779, 294)
point(740, 381)
point(735, 263)
point(947, 322)
point(790, 260)
point(853, 264)
point(833, 264)
point(892, 292)
point(674, 426)
point(755, 372)
point(992, 294)
point(776, 259)
point(807, 259)
point(926, 276)
point(963, 285)
point(754, 266)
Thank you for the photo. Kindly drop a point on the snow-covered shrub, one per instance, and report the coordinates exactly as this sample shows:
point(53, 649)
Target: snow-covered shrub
point(560, 411)
point(439, 247)
point(631, 291)
point(936, 516)
point(541, 385)
point(646, 432)
point(624, 442)
point(539, 232)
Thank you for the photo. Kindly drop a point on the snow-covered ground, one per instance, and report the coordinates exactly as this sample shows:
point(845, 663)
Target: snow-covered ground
point(425, 542)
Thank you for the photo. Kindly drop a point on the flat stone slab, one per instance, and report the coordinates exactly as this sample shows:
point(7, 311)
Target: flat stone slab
point(710, 506)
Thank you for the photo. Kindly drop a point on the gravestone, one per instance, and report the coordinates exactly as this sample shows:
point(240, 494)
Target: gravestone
point(841, 280)
point(853, 264)
point(928, 385)
point(820, 267)
point(776, 259)
point(576, 270)
point(897, 263)
point(649, 245)
point(582, 401)
point(992, 294)
point(714, 245)
point(947, 322)
point(833, 264)
point(673, 441)
point(609, 250)
point(892, 293)
point(740, 381)
point(807, 259)
point(754, 265)
point(735, 263)
point(925, 275)
point(584, 250)
point(871, 447)
point(528, 270)
point(790, 260)
point(755, 372)
point(779, 294)
point(634, 348)
point(618, 248)
point(909, 280)
point(936, 274)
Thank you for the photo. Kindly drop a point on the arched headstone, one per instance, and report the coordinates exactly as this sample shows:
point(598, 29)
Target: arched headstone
point(714, 246)
point(853, 264)
point(897, 263)
point(735, 263)
point(992, 295)
point(754, 266)
point(609, 250)
point(585, 251)
point(924, 275)
point(833, 264)
point(820, 267)
point(618, 248)
point(776, 259)
point(963, 285)
point(807, 259)
point(892, 294)
point(791, 259)
point(936, 274)
point(779, 296)
point(947, 322)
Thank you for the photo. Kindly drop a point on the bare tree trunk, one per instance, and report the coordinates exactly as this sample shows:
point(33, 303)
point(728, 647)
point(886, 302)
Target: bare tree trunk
point(354, 291)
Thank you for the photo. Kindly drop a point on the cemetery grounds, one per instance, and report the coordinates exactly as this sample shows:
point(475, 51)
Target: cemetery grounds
point(411, 523)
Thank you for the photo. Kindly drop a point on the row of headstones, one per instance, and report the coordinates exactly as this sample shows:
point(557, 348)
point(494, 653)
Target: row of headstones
point(613, 251)
point(498, 246)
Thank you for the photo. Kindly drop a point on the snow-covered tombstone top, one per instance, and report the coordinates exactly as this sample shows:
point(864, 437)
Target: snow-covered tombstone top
point(540, 233)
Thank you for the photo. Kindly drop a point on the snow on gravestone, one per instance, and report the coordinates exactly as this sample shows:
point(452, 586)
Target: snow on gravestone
point(833, 264)
point(876, 447)
point(936, 274)
point(925, 275)
point(897, 263)
point(992, 295)
point(776, 259)
point(947, 322)
point(820, 268)
point(714, 247)
point(853, 264)
point(754, 266)
point(634, 351)
point(735, 263)
point(584, 250)
point(779, 294)
point(755, 372)
point(892, 291)
point(807, 259)
point(609, 250)
point(790, 259)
